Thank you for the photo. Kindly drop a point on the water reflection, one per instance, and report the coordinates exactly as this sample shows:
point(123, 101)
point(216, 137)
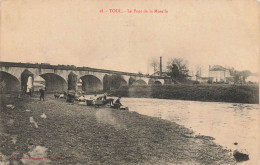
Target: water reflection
point(226, 122)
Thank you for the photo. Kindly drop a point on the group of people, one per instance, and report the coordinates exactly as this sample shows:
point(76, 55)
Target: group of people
point(111, 101)
point(118, 101)
point(117, 104)
point(106, 100)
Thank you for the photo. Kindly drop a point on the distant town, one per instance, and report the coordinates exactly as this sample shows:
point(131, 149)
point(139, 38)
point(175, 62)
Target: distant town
point(178, 70)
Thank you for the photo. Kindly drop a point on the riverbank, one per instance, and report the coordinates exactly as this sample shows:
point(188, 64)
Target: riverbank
point(196, 92)
point(86, 135)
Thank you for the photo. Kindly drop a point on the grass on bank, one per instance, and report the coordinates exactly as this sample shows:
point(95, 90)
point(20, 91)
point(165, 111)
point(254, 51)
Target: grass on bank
point(198, 92)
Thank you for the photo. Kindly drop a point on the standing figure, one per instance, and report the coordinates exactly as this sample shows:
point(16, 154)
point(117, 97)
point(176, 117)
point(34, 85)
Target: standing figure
point(111, 101)
point(32, 91)
point(105, 96)
point(41, 94)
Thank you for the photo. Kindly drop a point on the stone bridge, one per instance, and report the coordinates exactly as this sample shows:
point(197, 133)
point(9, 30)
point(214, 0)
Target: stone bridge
point(58, 78)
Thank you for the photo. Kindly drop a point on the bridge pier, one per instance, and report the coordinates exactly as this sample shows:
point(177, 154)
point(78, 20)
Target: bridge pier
point(72, 81)
point(106, 83)
point(26, 81)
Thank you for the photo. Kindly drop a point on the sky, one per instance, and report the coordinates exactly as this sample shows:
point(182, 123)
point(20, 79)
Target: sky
point(75, 32)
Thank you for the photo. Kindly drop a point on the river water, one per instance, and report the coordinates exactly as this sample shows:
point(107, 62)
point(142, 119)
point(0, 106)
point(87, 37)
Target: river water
point(226, 122)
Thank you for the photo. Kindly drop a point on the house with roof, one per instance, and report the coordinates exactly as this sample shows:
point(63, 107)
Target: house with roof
point(219, 74)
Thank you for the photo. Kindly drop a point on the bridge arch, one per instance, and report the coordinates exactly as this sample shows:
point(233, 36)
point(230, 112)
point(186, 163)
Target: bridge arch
point(117, 81)
point(54, 82)
point(8, 82)
point(91, 83)
point(125, 79)
point(123, 82)
point(140, 82)
point(157, 82)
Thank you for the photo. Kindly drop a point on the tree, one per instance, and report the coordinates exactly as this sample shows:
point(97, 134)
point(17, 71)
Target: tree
point(231, 71)
point(236, 77)
point(198, 71)
point(174, 71)
point(155, 64)
point(244, 74)
point(239, 76)
point(177, 68)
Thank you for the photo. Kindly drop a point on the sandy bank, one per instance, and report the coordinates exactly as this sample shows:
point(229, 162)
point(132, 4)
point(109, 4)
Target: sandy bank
point(87, 135)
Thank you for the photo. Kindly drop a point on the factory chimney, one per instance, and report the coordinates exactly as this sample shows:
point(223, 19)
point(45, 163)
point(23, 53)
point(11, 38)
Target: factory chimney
point(160, 65)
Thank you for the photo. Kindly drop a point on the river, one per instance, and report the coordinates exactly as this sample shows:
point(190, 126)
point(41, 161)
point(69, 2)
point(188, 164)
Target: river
point(226, 122)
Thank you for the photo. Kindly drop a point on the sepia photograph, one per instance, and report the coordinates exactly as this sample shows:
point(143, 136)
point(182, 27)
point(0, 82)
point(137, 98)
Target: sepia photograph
point(129, 82)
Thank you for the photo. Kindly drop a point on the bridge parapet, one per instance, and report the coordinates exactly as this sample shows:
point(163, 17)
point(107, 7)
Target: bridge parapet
point(72, 68)
point(91, 78)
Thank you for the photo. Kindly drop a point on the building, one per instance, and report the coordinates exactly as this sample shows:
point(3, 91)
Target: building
point(199, 78)
point(219, 74)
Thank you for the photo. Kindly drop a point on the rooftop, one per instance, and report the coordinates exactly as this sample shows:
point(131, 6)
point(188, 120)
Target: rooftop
point(217, 68)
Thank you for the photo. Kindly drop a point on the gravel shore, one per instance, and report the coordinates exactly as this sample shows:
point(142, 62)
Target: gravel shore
point(77, 134)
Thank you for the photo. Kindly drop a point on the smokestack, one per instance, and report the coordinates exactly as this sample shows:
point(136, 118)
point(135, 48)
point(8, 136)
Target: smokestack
point(160, 65)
